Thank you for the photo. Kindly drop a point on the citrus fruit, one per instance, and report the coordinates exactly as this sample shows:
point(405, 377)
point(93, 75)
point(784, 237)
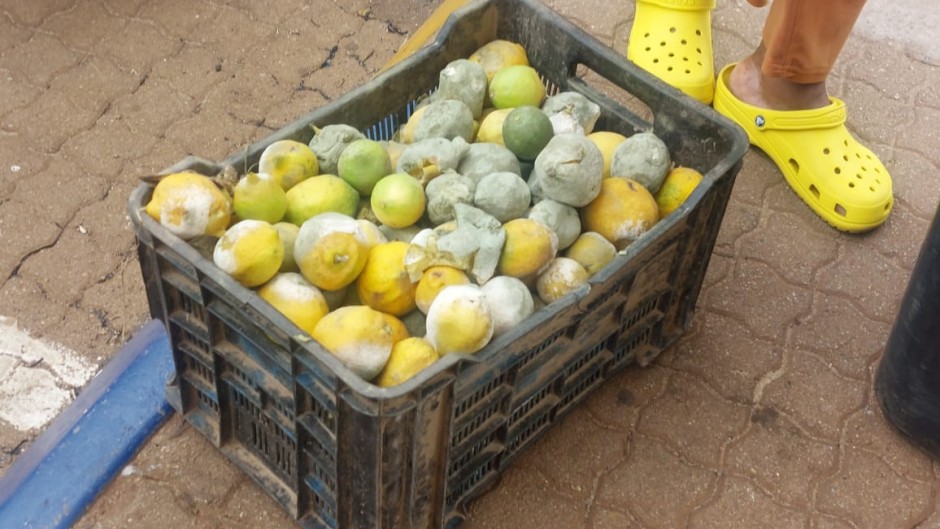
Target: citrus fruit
point(526, 131)
point(444, 193)
point(562, 276)
point(484, 158)
point(592, 250)
point(445, 118)
point(463, 80)
point(362, 163)
point(398, 328)
point(643, 158)
point(361, 337)
point(250, 251)
point(398, 200)
point(330, 250)
point(384, 284)
point(259, 196)
point(296, 298)
point(622, 211)
point(407, 359)
point(529, 247)
point(574, 106)
point(288, 233)
point(426, 159)
point(560, 218)
point(497, 54)
point(459, 320)
point(372, 232)
point(678, 185)
point(606, 141)
point(515, 86)
point(491, 127)
point(433, 280)
point(288, 162)
point(510, 302)
point(320, 194)
point(407, 132)
point(568, 170)
point(503, 195)
point(189, 204)
point(328, 144)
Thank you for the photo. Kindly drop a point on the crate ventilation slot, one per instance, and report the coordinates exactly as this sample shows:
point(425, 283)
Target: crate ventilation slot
point(479, 394)
point(478, 420)
point(264, 435)
point(642, 310)
point(470, 482)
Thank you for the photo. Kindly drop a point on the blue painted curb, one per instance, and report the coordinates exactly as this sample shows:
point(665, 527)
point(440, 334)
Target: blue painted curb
point(61, 473)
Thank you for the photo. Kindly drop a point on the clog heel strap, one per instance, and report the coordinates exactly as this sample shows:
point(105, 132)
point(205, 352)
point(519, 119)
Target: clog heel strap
point(840, 179)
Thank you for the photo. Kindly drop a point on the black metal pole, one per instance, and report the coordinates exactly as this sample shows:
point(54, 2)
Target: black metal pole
point(908, 379)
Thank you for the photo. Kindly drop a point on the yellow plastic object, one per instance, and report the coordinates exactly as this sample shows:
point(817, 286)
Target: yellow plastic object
point(426, 32)
point(840, 179)
point(672, 39)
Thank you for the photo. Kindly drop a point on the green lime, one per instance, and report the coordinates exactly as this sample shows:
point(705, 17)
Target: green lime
point(526, 131)
point(363, 163)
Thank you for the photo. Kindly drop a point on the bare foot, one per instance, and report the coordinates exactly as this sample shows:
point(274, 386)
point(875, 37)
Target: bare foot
point(748, 83)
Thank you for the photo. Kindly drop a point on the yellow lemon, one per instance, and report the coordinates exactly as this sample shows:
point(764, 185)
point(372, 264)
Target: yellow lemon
point(190, 204)
point(289, 162)
point(459, 320)
point(623, 211)
point(592, 250)
point(320, 194)
point(296, 298)
point(561, 277)
point(433, 280)
point(398, 200)
point(398, 328)
point(607, 142)
point(259, 196)
point(384, 284)
point(528, 249)
point(676, 188)
point(361, 337)
point(516, 86)
point(497, 54)
point(491, 128)
point(250, 251)
point(330, 250)
point(407, 359)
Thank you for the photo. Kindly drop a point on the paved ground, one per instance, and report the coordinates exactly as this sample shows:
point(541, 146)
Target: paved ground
point(761, 416)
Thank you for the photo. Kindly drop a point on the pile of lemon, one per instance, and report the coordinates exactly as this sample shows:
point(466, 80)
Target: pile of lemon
point(391, 254)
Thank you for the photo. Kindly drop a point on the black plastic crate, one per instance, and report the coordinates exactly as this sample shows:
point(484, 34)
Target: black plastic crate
point(338, 452)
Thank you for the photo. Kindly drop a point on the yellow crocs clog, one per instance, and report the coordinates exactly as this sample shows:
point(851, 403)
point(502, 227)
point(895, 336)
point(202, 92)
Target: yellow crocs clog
point(672, 39)
point(840, 179)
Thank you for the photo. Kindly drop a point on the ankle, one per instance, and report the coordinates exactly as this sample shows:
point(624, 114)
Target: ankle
point(749, 84)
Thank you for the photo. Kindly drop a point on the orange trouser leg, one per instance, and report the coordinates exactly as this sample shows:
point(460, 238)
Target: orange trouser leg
point(803, 38)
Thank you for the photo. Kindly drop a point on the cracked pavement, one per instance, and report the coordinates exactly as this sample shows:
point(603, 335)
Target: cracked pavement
point(762, 415)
